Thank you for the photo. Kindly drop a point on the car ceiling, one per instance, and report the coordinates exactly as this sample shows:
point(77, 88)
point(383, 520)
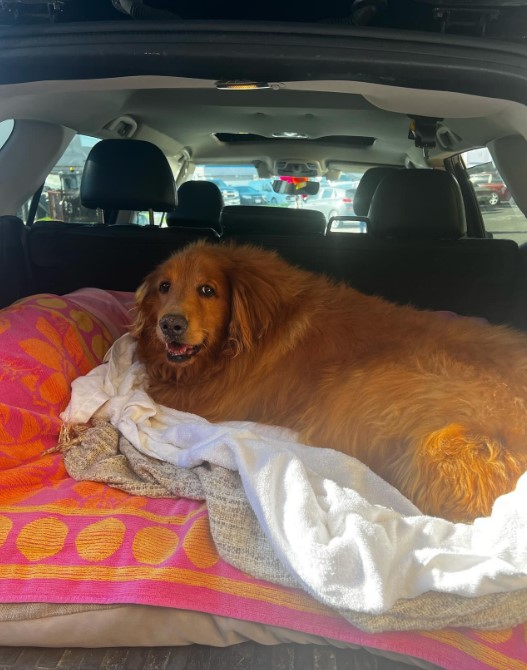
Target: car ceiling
point(338, 81)
point(183, 114)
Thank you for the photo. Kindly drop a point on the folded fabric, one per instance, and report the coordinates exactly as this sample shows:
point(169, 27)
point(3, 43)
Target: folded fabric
point(99, 453)
point(348, 537)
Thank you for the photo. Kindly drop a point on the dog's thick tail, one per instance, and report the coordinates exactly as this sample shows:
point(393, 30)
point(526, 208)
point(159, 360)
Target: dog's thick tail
point(457, 474)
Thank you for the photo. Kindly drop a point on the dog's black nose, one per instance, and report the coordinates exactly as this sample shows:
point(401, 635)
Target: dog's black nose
point(173, 326)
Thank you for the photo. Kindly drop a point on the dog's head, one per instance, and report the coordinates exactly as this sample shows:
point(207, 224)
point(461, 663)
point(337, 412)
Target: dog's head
point(208, 301)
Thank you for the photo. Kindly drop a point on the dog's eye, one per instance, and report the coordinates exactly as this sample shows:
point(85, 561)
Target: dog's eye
point(206, 291)
point(164, 287)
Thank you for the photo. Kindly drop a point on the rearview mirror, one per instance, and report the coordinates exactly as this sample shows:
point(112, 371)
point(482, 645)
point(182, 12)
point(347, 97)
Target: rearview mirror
point(288, 188)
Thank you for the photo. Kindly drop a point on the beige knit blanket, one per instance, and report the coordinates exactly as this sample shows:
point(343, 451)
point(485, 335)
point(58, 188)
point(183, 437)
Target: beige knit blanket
point(101, 454)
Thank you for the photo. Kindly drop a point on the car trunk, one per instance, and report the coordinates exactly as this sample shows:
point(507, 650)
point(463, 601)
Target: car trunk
point(116, 49)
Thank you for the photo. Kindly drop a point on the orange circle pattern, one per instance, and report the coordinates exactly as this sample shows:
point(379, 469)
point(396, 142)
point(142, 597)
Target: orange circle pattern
point(100, 540)
point(5, 528)
point(153, 545)
point(42, 538)
point(198, 545)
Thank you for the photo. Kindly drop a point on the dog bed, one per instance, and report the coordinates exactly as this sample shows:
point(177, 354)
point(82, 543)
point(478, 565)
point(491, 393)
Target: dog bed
point(69, 544)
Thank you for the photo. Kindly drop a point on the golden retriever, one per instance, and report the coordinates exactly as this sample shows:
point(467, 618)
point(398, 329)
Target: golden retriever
point(435, 406)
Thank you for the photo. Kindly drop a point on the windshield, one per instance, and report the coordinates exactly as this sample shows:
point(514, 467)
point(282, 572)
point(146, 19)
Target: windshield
point(240, 185)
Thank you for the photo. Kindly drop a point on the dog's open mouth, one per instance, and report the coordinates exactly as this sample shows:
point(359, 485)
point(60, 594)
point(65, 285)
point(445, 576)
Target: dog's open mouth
point(178, 352)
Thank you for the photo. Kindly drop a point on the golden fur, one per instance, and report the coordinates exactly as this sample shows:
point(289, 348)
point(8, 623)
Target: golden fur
point(436, 406)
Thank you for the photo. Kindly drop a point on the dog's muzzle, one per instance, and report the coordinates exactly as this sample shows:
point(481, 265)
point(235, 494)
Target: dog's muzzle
point(174, 327)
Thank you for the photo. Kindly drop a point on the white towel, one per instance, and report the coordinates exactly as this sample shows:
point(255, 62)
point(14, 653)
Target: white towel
point(348, 536)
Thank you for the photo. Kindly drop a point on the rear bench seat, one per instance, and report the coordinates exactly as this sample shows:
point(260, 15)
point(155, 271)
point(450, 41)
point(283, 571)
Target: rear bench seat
point(240, 221)
point(417, 252)
point(14, 262)
point(109, 257)
point(119, 175)
point(417, 222)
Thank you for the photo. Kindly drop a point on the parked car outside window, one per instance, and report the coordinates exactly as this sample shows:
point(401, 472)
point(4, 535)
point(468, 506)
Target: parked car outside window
point(229, 194)
point(501, 216)
point(273, 199)
point(329, 201)
point(490, 189)
point(250, 196)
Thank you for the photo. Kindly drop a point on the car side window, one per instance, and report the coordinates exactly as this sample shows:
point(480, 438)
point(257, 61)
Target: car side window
point(60, 197)
point(6, 128)
point(501, 216)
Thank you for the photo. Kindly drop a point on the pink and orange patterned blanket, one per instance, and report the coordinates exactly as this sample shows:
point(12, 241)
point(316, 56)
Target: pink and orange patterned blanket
point(63, 541)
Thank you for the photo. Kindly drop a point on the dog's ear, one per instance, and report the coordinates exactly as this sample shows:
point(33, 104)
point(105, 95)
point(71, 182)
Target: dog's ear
point(140, 309)
point(261, 297)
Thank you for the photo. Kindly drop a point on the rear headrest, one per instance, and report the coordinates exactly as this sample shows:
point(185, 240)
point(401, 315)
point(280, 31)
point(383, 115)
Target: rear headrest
point(127, 174)
point(239, 219)
point(366, 188)
point(418, 204)
point(199, 202)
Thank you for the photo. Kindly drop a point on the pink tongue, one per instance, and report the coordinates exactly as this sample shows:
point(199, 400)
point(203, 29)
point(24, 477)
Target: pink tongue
point(178, 349)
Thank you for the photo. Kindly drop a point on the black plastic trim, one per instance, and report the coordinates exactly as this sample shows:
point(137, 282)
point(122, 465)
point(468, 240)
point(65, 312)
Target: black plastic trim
point(268, 52)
